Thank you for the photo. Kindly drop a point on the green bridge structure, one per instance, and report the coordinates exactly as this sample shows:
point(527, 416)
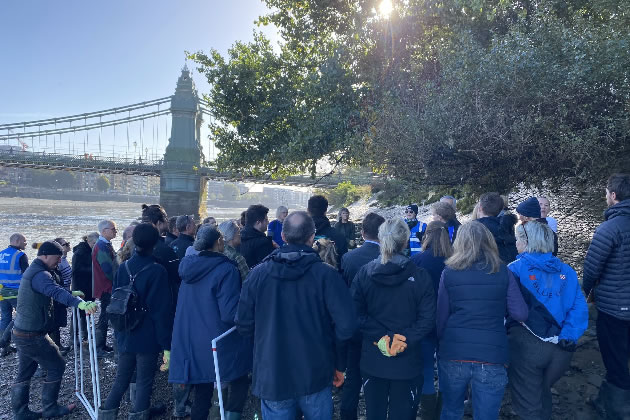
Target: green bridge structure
point(181, 166)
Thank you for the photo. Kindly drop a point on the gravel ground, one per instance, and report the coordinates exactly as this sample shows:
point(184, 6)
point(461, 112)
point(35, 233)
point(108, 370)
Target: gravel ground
point(570, 393)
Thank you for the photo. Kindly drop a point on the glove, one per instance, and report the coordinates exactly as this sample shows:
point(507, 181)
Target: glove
point(567, 345)
point(338, 379)
point(383, 346)
point(166, 359)
point(399, 344)
point(88, 307)
point(78, 293)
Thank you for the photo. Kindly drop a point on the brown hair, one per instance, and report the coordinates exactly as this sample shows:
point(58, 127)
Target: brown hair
point(444, 210)
point(474, 244)
point(436, 236)
point(327, 252)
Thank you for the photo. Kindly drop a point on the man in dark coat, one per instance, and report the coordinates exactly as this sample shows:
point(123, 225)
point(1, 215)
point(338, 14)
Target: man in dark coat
point(607, 277)
point(171, 235)
point(490, 205)
point(255, 244)
point(295, 306)
point(351, 263)
point(317, 207)
point(187, 228)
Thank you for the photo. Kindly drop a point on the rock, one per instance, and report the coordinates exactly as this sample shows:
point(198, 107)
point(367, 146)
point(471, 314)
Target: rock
point(595, 380)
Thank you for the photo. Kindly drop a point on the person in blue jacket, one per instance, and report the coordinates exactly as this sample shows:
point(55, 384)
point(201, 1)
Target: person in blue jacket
point(274, 229)
point(296, 307)
point(139, 348)
point(541, 348)
point(208, 298)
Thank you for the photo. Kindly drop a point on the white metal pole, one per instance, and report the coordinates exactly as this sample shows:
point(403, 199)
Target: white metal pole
point(215, 356)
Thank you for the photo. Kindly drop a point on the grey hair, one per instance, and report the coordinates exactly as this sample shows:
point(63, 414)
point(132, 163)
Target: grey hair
point(393, 236)
point(300, 230)
point(538, 236)
point(182, 223)
point(92, 237)
point(450, 197)
point(104, 224)
point(206, 238)
point(228, 229)
point(15, 237)
point(281, 209)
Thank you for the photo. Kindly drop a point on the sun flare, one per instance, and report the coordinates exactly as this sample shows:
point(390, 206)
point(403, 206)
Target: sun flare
point(385, 8)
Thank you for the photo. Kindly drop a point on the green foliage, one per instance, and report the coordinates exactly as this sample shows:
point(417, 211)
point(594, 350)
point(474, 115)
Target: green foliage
point(476, 95)
point(345, 193)
point(53, 179)
point(102, 183)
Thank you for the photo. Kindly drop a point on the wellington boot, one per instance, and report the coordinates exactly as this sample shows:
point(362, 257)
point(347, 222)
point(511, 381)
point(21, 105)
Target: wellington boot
point(132, 393)
point(616, 402)
point(231, 415)
point(428, 407)
point(142, 415)
point(50, 393)
point(107, 414)
point(181, 405)
point(19, 402)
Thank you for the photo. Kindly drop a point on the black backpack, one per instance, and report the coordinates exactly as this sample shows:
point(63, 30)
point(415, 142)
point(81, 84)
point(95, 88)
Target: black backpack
point(124, 310)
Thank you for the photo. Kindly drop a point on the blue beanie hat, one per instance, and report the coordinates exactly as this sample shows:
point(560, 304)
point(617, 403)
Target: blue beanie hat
point(529, 208)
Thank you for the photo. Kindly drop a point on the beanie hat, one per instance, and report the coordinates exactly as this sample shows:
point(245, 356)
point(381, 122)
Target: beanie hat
point(145, 236)
point(50, 248)
point(529, 208)
point(413, 208)
point(206, 237)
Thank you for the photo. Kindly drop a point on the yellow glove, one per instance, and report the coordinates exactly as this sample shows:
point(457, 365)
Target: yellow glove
point(78, 293)
point(166, 359)
point(383, 346)
point(88, 307)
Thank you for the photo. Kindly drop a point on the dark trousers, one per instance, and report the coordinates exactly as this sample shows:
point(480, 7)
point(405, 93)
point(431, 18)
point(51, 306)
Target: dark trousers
point(237, 395)
point(103, 321)
point(388, 395)
point(202, 401)
point(352, 384)
point(144, 365)
point(613, 335)
point(6, 312)
point(534, 367)
point(37, 350)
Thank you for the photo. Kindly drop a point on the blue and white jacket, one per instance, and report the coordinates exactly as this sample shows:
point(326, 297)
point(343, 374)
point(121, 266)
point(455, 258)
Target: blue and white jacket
point(557, 307)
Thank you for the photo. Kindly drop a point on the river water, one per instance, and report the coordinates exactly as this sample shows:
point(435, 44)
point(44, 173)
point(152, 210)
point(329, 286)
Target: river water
point(39, 220)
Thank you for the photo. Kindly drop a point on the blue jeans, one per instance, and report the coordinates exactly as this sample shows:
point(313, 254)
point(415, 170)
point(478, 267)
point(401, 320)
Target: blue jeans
point(488, 385)
point(427, 346)
point(316, 406)
point(6, 313)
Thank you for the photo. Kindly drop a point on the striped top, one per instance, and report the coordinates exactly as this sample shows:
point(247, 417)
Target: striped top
point(66, 272)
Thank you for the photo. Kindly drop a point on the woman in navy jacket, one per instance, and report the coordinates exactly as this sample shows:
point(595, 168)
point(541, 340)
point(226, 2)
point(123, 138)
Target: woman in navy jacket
point(139, 348)
point(206, 306)
point(395, 303)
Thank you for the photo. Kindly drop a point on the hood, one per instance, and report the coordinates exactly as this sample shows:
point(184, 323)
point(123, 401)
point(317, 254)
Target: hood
point(194, 268)
point(396, 271)
point(291, 262)
point(622, 208)
point(543, 262)
point(492, 223)
point(321, 223)
point(82, 247)
point(509, 219)
point(249, 232)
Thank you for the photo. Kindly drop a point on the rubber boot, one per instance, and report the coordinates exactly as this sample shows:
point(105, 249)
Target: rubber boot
point(19, 402)
point(50, 393)
point(428, 407)
point(107, 414)
point(181, 405)
point(231, 415)
point(143, 415)
point(616, 402)
point(598, 402)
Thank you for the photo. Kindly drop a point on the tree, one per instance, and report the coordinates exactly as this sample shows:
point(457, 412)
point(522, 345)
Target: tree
point(102, 183)
point(478, 93)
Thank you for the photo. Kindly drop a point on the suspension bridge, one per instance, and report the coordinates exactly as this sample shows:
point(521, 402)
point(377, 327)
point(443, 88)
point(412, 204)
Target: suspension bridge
point(160, 137)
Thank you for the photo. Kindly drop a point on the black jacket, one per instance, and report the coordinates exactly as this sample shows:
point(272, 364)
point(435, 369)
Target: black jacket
point(393, 298)
point(255, 246)
point(82, 269)
point(167, 258)
point(506, 242)
point(169, 238)
point(607, 263)
point(323, 229)
point(352, 262)
point(295, 306)
point(181, 244)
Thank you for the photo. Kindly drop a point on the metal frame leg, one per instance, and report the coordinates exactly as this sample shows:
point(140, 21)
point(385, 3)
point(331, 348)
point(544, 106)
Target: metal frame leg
point(215, 356)
point(79, 379)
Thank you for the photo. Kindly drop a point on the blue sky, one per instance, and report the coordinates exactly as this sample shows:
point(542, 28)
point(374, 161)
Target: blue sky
point(67, 57)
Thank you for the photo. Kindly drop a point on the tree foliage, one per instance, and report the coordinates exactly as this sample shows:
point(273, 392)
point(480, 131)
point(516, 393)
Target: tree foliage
point(481, 93)
point(102, 183)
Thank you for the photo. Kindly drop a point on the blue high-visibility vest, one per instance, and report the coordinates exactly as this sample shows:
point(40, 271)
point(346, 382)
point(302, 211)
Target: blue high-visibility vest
point(414, 242)
point(451, 231)
point(10, 271)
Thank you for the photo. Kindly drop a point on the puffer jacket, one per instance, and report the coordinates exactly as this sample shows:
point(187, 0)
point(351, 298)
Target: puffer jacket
point(607, 263)
point(557, 308)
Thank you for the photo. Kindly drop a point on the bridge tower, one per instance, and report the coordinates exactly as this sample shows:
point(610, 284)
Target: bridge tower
point(182, 189)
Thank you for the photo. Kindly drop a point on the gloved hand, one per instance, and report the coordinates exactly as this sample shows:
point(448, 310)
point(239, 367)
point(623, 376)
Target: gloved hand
point(383, 346)
point(166, 359)
point(338, 379)
point(567, 345)
point(399, 344)
point(78, 293)
point(88, 307)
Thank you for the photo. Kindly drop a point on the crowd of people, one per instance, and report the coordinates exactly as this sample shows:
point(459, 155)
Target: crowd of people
point(422, 318)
